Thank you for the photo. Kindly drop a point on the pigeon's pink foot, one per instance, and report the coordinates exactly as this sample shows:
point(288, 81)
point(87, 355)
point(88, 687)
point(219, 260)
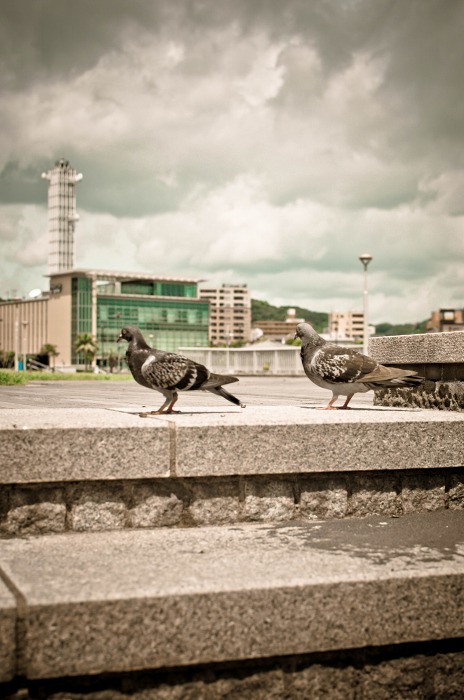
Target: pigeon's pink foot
point(327, 408)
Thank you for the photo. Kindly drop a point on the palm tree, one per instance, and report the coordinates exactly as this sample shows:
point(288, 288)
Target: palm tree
point(86, 344)
point(112, 361)
point(51, 352)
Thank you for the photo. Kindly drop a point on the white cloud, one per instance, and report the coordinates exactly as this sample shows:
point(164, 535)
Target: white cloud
point(245, 144)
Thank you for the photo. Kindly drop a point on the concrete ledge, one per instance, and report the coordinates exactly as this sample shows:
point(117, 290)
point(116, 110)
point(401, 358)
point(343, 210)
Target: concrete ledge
point(438, 357)
point(108, 603)
point(76, 444)
point(298, 440)
point(420, 348)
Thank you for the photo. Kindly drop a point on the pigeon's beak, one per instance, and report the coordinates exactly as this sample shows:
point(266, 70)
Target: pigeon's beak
point(119, 338)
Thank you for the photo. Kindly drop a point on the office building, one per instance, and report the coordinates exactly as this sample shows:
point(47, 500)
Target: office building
point(229, 313)
point(99, 302)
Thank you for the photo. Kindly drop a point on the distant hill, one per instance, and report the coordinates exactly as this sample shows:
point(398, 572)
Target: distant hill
point(400, 328)
point(263, 311)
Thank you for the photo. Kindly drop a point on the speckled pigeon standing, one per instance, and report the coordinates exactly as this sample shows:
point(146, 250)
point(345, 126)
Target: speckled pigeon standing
point(169, 373)
point(345, 371)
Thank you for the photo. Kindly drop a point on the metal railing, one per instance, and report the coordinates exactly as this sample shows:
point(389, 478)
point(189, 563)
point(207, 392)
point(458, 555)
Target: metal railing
point(281, 360)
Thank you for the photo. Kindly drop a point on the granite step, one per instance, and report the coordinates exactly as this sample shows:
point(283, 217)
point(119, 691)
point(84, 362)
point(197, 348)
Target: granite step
point(96, 469)
point(89, 604)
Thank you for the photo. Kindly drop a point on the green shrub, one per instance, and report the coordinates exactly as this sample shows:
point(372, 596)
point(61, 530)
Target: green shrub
point(74, 376)
point(9, 377)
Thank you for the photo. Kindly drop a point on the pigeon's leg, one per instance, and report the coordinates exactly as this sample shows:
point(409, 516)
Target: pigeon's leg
point(167, 406)
point(345, 405)
point(171, 405)
point(330, 406)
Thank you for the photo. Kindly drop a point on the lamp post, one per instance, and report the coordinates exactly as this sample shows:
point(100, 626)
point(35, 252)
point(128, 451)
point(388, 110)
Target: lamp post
point(16, 337)
point(365, 258)
point(24, 344)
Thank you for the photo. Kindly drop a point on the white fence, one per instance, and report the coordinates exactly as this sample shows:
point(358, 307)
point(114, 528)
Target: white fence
point(281, 360)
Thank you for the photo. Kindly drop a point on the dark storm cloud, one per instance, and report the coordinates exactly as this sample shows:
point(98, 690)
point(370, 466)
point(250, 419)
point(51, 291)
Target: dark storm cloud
point(246, 141)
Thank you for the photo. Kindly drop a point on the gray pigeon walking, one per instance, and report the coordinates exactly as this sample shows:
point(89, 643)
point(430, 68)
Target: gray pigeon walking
point(169, 373)
point(345, 371)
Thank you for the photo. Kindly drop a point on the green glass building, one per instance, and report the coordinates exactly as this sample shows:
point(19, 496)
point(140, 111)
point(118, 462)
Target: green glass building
point(167, 310)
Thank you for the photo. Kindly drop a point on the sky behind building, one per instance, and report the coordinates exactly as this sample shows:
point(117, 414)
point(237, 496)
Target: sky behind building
point(254, 142)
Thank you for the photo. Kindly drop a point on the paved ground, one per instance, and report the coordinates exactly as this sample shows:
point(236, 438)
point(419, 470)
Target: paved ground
point(253, 391)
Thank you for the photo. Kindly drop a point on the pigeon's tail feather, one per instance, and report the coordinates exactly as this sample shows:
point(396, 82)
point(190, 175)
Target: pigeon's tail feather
point(215, 380)
point(383, 375)
point(410, 381)
point(220, 391)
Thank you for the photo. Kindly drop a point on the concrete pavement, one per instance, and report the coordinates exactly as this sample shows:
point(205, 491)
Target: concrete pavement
point(253, 391)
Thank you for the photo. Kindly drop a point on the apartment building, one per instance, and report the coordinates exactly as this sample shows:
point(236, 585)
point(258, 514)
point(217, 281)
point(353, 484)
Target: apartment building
point(346, 324)
point(229, 313)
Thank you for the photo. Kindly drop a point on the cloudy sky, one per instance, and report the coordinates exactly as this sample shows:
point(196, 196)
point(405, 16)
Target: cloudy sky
point(246, 141)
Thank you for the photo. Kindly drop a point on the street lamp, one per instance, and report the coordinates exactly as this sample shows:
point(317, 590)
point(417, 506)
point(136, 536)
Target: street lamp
point(24, 344)
point(365, 258)
point(16, 337)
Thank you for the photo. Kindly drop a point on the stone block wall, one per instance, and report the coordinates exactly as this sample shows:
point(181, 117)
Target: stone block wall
point(35, 509)
point(438, 357)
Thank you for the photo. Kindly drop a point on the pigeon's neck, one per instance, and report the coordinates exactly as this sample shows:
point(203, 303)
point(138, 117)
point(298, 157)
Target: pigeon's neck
point(313, 341)
point(138, 344)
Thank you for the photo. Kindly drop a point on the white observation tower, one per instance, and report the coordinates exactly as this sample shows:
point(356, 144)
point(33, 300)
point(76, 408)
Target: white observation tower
point(62, 215)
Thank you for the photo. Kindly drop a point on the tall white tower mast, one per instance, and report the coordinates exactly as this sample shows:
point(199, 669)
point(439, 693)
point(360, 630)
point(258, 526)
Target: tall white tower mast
point(62, 215)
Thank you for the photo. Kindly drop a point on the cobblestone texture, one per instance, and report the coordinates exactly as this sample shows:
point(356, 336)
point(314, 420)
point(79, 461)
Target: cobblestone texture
point(154, 506)
point(269, 500)
point(444, 396)
point(98, 507)
point(456, 491)
point(222, 500)
point(377, 495)
point(422, 494)
point(323, 498)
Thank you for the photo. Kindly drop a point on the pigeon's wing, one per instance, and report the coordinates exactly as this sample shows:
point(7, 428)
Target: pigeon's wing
point(336, 364)
point(170, 371)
